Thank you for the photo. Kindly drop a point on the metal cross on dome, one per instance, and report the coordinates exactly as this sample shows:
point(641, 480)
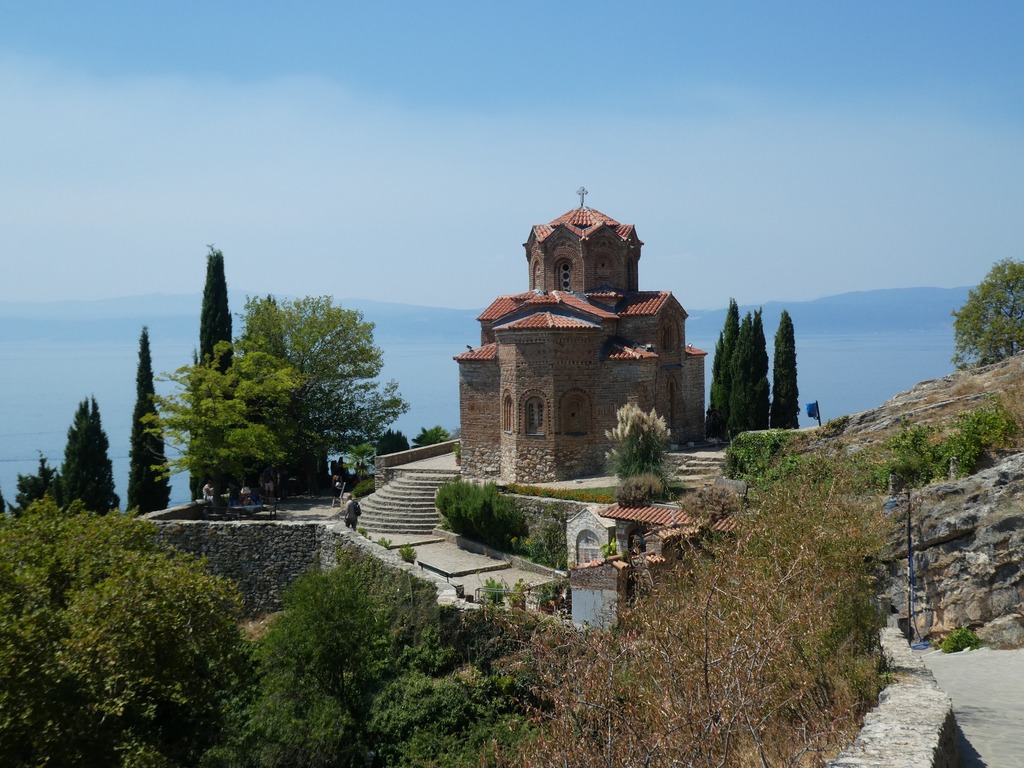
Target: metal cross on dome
point(582, 192)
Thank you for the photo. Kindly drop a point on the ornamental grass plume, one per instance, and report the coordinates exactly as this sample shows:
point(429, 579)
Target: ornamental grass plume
point(639, 444)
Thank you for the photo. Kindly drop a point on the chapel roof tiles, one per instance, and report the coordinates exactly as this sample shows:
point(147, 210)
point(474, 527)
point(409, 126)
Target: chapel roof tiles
point(546, 320)
point(642, 303)
point(486, 352)
point(504, 306)
point(667, 515)
point(581, 222)
point(618, 348)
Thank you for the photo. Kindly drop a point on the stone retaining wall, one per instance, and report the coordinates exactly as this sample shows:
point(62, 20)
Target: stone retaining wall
point(913, 724)
point(265, 558)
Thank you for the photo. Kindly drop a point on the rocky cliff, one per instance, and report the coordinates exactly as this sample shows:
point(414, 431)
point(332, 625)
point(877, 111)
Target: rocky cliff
point(967, 534)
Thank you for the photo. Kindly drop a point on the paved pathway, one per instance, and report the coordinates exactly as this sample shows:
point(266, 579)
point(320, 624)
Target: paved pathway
point(987, 689)
point(469, 569)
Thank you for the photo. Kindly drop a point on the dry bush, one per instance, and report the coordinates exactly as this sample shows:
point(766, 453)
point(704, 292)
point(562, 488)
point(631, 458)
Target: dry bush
point(762, 651)
point(1012, 401)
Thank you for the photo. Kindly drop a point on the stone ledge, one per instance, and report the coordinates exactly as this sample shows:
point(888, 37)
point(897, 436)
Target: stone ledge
point(913, 724)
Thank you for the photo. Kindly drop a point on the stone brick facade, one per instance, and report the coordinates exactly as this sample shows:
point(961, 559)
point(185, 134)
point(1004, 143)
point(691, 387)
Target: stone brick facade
point(556, 363)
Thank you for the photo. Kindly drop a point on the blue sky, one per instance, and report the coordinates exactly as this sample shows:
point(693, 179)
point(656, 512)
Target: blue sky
point(401, 151)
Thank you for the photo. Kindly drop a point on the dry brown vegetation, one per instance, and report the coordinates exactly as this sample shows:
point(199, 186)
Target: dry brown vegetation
point(759, 650)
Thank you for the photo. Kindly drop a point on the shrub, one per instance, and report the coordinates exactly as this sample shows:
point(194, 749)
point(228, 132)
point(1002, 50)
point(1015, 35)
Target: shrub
point(640, 489)
point(545, 545)
point(960, 639)
point(751, 455)
point(363, 532)
point(494, 591)
point(363, 488)
point(990, 426)
point(408, 553)
point(384, 542)
point(481, 513)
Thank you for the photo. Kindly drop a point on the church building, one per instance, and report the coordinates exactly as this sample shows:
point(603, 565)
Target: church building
point(557, 361)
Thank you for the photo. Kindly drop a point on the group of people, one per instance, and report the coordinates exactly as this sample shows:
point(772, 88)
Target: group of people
point(271, 485)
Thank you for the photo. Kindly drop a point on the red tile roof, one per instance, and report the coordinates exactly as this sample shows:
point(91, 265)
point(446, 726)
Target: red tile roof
point(621, 349)
point(506, 305)
point(692, 350)
point(642, 303)
point(486, 352)
point(546, 320)
point(581, 222)
point(664, 514)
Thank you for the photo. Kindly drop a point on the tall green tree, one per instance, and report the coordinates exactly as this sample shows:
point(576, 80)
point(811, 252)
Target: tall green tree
point(214, 327)
point(215, 318)
point(148, 486)
point(721, 366)
point(114, 650)
point(87, 473)
point(989, 327)
point(392, 441)
point(230, 422)
point(760, 395)
point(30, 488)
point(742, 372)
point(338, 400)
point(785, 412)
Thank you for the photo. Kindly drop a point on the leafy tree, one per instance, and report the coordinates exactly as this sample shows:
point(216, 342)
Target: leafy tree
point(30, 488)
point(148, 487)
point(337, 400)
point(323, 660)
point(785, 411)
point(392, 442)
point(87, 473)
point(431, 436)
point(215, 318)
point(721, 366)
point(114, 650)
point(989, 327)
point(230, 421)
point(3, 504)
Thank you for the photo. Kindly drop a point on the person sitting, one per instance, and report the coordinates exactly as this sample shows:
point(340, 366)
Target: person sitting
point(246, 496)
point(256, 500)
point(233, 495)
point(208, 492)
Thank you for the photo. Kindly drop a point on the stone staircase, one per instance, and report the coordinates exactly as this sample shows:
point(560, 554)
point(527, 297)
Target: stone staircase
point(697, 468)
point(406, 504)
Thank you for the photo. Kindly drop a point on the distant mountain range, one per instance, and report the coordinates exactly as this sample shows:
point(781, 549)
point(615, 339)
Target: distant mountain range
point(176, 317)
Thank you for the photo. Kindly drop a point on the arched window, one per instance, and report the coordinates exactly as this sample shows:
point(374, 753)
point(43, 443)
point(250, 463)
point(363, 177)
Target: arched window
point(588, 547)
point(563, 276)
point(534, 412)
point(575, 414)
point(671, 404)
point(506, 413)
point(668, 338)
point(538, 283)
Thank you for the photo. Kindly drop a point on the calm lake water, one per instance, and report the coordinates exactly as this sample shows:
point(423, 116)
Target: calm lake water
point(43, 380)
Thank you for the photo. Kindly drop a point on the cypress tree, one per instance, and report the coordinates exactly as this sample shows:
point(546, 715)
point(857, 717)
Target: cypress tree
point(785, 413)
point(215, 320)
point(742, 370)
point(87, 473)
point(721, 366)
point(760, 396)
point(148, 487)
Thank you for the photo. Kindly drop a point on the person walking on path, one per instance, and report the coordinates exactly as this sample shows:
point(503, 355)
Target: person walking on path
point(352, 512)
point(336, 487)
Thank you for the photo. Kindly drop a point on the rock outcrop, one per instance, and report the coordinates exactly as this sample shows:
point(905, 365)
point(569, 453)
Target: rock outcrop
point(968, 534)
point(968, 542)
